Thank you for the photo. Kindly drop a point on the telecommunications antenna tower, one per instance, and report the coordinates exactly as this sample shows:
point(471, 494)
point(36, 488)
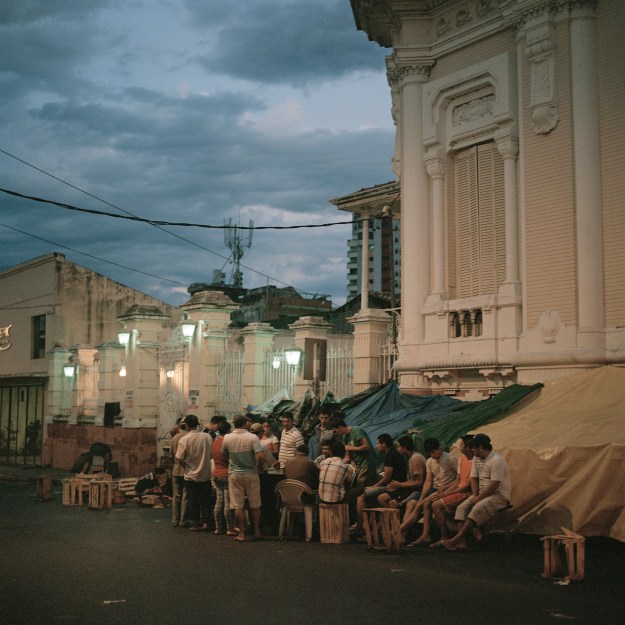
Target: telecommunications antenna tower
point(238, 244)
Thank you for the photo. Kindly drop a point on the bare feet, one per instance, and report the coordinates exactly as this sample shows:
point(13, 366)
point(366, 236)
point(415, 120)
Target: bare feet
point(423, 540)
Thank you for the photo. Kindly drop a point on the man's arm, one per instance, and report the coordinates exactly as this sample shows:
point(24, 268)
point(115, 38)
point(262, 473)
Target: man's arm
point(491, 489)
point(429, 479)
point(363, 445)
point(418, 472)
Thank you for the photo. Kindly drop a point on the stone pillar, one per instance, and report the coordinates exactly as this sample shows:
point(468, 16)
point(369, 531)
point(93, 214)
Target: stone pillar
point(111, 387)
point(371, 332)
point(415, 215)
point(258, 344)
point(140, 405)
point(587, 163)
point(364, 262)
point(84, 402)
point(210, 311)
point(306, 327)
point(60, 388)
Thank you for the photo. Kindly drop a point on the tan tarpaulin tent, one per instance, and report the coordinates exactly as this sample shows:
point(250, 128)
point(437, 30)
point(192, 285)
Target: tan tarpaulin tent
point(566, 452)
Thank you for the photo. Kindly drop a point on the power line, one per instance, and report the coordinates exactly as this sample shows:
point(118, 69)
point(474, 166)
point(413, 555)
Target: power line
point(158, 222)
point(110, 262)
point(173, 234)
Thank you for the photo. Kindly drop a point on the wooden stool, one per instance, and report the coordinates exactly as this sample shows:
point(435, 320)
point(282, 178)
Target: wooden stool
point(43, 485)
point(573, 551)
point(334, 523)
point(382, 528)
point(100, 494)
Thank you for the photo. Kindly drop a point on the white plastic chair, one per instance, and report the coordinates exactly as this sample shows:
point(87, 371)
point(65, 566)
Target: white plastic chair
point(291, 492)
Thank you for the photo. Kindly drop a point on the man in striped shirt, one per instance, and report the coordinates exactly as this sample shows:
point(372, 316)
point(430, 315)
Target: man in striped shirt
point(244, 452)
point(290, 438)
point(335, 475)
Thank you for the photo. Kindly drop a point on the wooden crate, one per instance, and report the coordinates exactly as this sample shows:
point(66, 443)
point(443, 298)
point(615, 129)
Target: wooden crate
point(334, 523)
point(573, 546)
point(382, 528)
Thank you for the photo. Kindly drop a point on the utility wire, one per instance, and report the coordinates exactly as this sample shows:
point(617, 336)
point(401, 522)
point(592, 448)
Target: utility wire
point(158, 222)
point(156, 226)
point(110, 262)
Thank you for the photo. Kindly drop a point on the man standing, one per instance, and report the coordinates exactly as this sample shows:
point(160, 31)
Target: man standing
point(358, 448)
point(194, 456)
point(244, 452)
point(490, 488)
point(179, 499)
point(322, 432)
point(290, 438)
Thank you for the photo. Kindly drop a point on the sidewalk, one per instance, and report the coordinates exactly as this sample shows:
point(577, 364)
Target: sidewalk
point(21, 473)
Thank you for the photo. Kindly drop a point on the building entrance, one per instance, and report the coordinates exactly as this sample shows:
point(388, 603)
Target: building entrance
point(21, 421)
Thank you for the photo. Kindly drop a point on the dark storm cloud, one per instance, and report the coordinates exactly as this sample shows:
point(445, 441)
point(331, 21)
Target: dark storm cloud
point(286, 42)
point(190, 157)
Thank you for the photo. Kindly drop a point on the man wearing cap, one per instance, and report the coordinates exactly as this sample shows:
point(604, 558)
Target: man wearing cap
point(193, 454)
point(244, 452)
point(490, 488)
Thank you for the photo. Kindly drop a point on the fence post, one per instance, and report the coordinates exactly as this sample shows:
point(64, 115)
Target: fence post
point(211, 311)
point(307, 327)
point(258, 343)
point(371, 331)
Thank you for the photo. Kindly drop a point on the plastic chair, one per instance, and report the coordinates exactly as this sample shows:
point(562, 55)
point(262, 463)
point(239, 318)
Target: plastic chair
point(291, 492)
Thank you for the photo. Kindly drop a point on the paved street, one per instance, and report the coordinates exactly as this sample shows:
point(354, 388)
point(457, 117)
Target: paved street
point(129, 566)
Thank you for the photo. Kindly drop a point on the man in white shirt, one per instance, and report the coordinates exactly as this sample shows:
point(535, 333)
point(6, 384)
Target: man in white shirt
point(490, 488)
point(193, 454)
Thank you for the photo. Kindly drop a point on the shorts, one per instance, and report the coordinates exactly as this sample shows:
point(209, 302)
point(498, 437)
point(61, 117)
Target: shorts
point(403, 495)
point(483, 511)
point(451, 502)
point(242, 485)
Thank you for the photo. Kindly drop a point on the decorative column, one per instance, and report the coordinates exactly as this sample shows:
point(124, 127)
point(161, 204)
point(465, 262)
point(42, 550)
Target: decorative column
point(364, 262)
point(258, 344)
point(436, 166)
point(110, 384)
point(586, 159)
point(508, 147)
point(60, 387)
point(210, 311)
point(145, 324)
point(415, 219)
point(307, 327)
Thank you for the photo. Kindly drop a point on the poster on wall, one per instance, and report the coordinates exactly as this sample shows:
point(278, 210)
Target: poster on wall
point(194, 398)
point(130, 395)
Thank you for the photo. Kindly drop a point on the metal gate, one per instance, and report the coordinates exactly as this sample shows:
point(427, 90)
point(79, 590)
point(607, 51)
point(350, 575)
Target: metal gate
point(21, 423)
point(230, 383)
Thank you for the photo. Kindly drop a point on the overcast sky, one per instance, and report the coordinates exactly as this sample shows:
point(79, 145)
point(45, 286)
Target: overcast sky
point(192, 111)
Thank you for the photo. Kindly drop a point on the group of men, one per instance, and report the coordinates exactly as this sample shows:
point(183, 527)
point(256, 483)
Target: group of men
point(470, 489)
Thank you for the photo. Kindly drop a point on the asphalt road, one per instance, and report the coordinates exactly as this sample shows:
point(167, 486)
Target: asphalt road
point(128, 566)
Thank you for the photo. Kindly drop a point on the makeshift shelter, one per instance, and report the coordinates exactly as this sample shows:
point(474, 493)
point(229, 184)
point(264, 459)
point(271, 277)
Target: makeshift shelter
point(566, 452)
point(389, 410)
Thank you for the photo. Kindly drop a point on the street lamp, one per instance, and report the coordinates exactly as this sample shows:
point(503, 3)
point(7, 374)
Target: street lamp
point(68, 370)
point(293, 356)
point(188, 328)
point(123, 337)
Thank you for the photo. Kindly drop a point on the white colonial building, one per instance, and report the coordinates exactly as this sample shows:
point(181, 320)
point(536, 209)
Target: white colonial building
point(509, 153)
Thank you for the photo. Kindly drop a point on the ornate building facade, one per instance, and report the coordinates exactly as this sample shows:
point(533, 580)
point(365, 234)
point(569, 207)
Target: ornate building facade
point(509, 153)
